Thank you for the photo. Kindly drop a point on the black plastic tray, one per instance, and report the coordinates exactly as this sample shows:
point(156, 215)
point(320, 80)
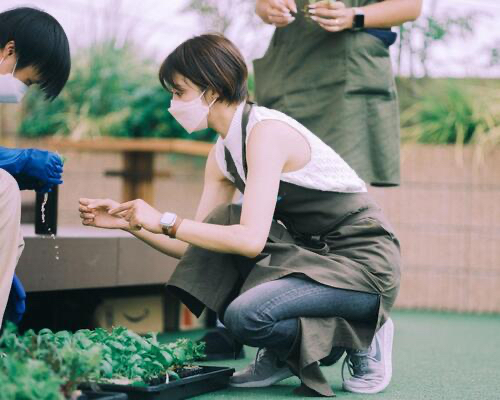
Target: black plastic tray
point(209, 380)
point(89, 395)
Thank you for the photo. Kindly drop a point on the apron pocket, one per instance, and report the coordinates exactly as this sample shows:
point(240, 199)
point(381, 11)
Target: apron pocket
point(369, 68)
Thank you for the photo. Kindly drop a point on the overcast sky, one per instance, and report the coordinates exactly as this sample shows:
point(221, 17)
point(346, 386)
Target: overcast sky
point(160, 25)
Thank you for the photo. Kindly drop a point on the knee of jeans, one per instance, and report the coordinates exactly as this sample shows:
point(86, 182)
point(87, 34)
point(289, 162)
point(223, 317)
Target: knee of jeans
point(244, 321)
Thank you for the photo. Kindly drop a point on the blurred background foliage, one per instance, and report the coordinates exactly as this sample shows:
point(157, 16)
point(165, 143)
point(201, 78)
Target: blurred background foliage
point(451, 111)
point(112, 91)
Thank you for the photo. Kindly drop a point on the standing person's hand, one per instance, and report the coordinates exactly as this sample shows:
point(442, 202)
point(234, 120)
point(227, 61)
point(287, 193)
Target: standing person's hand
point(276, 12)
point(332, 16)
point(139, 214)
point(95, 212)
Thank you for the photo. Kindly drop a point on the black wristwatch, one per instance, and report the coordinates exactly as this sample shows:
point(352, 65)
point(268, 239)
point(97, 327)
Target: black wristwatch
point(358, 22)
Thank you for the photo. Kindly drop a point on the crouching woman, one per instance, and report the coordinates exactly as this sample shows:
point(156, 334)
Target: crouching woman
point(307, 267)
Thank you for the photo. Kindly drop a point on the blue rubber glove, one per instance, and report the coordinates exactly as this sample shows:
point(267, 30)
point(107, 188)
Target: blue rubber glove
point(32, 168)
point(16, 306)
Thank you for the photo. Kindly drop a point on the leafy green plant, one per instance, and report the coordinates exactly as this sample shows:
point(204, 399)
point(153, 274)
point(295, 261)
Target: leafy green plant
point(451, 113)
point(101, 356)
point(128, 355)
point(112, 91)
point(72, 360)
point(28, 380)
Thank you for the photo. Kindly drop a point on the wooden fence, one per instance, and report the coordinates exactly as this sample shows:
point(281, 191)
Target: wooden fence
point(447, 215)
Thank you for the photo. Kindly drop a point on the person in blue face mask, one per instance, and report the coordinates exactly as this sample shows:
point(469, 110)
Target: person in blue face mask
point(34, 50)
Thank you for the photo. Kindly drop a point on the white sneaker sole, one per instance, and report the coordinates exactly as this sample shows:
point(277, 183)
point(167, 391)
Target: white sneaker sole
point(388, 340)
point(278, 377)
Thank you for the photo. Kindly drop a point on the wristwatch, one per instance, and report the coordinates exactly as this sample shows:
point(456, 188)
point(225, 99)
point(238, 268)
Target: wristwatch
point(358, 22)
point(167, 222)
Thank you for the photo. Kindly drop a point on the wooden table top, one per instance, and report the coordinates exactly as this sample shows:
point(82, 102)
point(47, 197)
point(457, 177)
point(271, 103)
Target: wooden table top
point(107, 144)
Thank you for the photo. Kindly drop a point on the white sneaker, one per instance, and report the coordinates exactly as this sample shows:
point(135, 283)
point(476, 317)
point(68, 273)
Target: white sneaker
point(265, 371)
point(371, 370)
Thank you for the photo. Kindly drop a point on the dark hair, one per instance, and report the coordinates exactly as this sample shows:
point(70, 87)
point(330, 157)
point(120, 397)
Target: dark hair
point(210, 61)
point(41, 43)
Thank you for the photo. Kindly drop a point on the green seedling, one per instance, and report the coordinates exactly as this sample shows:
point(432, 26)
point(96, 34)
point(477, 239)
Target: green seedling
point(120, 356)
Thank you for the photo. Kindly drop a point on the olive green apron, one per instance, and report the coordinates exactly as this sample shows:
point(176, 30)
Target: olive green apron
point(341, 87)
point(338, 239)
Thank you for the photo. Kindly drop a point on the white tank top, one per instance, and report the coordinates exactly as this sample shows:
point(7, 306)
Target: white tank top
point(325, 171)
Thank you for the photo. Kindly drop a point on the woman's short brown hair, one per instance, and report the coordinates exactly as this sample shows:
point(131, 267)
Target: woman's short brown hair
point(210, 61)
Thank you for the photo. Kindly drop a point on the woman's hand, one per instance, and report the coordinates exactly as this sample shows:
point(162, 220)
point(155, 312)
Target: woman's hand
point(139, 214)
point(332, 16)
point(94, 212)
point(276, 12)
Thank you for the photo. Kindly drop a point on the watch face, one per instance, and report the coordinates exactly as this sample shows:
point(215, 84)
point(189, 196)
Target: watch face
point(359, 21)
point(168, 219)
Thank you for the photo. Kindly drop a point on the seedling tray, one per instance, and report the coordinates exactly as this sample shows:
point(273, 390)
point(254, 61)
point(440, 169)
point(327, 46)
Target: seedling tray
point(209, 379)
point(88, 395)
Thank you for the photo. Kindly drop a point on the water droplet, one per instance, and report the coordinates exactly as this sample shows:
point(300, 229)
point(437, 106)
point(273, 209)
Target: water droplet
point(45, 199)
point(56, 247)
point(57, 257)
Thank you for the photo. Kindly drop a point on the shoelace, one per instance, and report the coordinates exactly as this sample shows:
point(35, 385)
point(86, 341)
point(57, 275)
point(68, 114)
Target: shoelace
point(357, 364)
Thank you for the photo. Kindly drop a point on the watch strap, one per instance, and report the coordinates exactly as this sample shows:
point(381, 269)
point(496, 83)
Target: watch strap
point(165, 230)
point(172, 231)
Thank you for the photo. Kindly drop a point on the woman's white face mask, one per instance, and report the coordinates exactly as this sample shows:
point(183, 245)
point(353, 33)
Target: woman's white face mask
point(12, 90)
point(193, 114)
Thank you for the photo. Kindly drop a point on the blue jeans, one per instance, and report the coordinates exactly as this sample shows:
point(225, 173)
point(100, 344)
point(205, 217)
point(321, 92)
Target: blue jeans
point(267, 315)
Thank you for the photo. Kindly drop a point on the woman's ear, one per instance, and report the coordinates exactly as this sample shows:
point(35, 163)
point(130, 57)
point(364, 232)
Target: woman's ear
point(8, 58)
point(211, 96)
point(9, 49)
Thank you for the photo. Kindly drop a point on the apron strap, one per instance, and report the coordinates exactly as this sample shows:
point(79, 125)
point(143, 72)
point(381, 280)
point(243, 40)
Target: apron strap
point(231, 166)
point(244, 123)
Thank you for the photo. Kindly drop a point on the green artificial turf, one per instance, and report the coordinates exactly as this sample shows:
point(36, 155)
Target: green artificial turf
point(435, 356)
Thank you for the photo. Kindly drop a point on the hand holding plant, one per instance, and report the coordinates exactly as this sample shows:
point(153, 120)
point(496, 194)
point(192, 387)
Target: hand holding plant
point(276, 12)
point(332, 16)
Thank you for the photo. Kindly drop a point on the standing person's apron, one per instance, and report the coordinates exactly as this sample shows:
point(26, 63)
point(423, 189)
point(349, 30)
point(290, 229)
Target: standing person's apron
point(340, 86)
point(338, 239)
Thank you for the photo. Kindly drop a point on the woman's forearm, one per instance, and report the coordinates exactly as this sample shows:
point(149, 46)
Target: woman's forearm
point(389, 13)
point(170, 247)
point(233, 239)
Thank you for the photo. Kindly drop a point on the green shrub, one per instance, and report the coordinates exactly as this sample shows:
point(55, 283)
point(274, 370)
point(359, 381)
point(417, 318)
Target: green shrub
point(450, 112)
point(112, 91)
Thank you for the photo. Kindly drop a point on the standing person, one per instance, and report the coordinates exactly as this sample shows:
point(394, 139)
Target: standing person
point(34, 49)
point(328, 66)
point(305, 265)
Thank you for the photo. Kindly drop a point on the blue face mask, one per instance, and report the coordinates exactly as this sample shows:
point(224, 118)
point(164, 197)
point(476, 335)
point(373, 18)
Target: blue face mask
point(12, 90)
